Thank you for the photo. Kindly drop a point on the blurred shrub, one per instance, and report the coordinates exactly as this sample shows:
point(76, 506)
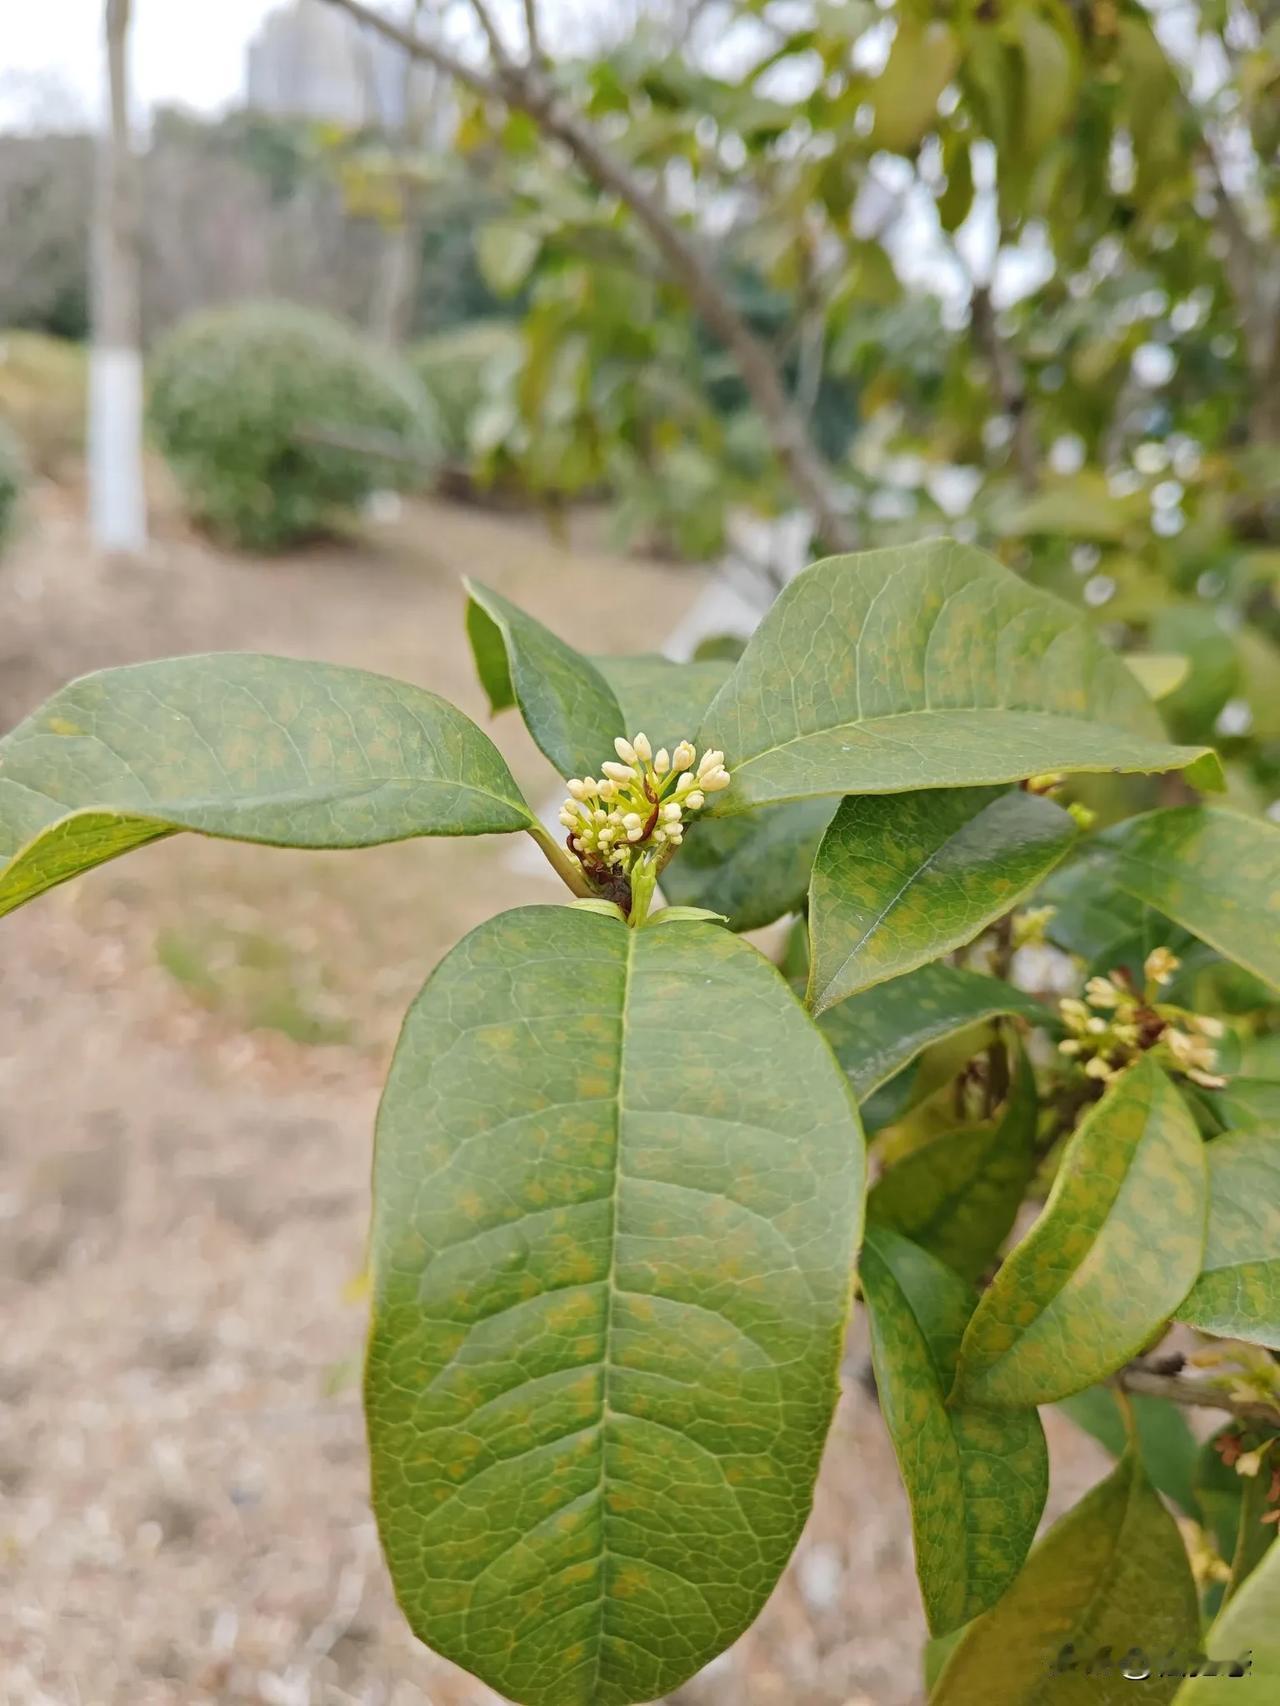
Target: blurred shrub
point(461, 370)
point(11, 482)
point(43, 385)
point(271, 416)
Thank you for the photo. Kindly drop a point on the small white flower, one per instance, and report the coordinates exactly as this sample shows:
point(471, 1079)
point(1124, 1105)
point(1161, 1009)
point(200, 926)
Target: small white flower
point(636, 833)
point(577, 788)
point(1209, 1026)
point(643, 751)
point(685, 782)
point(671, 812)
point(618, 772)
point(1160, 965)
point(632, 820)
point(662, 762)
point(625, 751)
point(683, 756)
point(714, 780)
point(1102, 992)
point(696, 801)
point(710, 761)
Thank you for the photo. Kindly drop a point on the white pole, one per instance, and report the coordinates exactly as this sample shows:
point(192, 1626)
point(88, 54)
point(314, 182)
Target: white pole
point(117, 498)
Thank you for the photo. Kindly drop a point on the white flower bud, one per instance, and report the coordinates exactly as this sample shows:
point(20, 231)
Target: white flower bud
point(1098, 1068)
point(625, 751)
point(568, 818)
point(671, 812)
point(686, 781)
point(635, 834)
point(577, 844)
point(710, 761)
point(1102, 992)
point(577, 788)
point(599, 817)
point(1160, 965)
point(608, 790)
point(1209, 1026)
point(683, 756)
point(660, 835)
point(643, 751)
point(714, 780)
point(662, 762)
point(633, 820)
point(618, 772)
point(696, 800)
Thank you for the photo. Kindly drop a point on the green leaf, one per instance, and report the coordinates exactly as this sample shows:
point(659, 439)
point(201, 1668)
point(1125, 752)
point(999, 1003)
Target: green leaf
point(567, 705)
point(1214, 872)
point(574, 706)
point(611, 1257)
point(1238, 1293)
point(1049, 79)
point(1249, 1624)
point(958, 1195)
point(667, 700)
point(905, 96)
point(1170, 1451)
point(878, 1032)
point(506, 253)
point(976, 1478)
point(1113, 1574)
point(927, 666)
point(251, 748)
point(1245, 1103)
point(753, 868)
point(901, 879)
point(1115, 1251)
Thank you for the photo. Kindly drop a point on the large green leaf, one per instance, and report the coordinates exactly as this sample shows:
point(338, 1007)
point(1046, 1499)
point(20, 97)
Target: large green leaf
point(611, 1258)
point(1250, 1624)
point(976, 1478)
point(958, 1195)
point(1116, 1249)
point(878, 1032)
point(1112, 1574)
point(1169, 1449)
point(567, 705)
point(1214, 872)
point(901, 879)
point(252, 748)
point(753, 868)
point(1238, 1294)
point(926, 667)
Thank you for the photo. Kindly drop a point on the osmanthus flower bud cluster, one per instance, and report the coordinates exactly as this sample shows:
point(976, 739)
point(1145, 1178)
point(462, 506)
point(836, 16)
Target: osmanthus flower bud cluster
point(636, 808)
point(1114, 1023)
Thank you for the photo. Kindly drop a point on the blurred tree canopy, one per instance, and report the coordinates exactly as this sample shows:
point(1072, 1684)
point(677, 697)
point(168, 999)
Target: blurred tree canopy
point(1014, 262)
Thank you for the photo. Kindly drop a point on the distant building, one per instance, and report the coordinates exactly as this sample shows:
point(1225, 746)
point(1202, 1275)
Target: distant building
point(310, 61)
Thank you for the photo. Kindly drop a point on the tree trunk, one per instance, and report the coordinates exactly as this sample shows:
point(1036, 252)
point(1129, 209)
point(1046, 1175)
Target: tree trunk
point(117, 499)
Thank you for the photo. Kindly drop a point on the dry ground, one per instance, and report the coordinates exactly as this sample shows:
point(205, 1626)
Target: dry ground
point(190, 1048)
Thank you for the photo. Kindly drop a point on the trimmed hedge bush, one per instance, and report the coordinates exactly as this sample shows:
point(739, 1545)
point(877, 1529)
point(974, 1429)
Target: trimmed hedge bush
point(44, 384)
point(237, 396)
point(12, 480)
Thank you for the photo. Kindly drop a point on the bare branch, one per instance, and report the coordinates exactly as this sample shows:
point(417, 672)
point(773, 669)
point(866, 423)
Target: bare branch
point(486, 21)
point(532, 32)
point(1008, 383)
point(523, 88)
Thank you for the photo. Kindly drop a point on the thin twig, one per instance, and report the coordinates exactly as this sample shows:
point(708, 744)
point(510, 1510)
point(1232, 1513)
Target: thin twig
point(497, 47)
point(1196, 1394)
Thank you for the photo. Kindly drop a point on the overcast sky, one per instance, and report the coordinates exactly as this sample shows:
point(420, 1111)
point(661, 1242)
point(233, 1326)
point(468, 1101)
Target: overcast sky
point(188, 51)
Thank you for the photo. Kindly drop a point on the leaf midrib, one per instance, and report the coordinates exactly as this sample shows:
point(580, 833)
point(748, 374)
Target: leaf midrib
point(611, 1295)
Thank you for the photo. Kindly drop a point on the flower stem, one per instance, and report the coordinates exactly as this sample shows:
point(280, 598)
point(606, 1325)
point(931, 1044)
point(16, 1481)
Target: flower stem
point(566, 868)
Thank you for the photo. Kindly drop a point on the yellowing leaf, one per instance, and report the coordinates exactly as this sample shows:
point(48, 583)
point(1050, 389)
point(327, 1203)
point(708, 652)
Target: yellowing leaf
point(1238, 1294)
point(1113, 1574)
point(1215, 872)
point(1115, 1251)
point(976, 1478)
point(901, 879)
point(957, 1195)
point(1250, 1624)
